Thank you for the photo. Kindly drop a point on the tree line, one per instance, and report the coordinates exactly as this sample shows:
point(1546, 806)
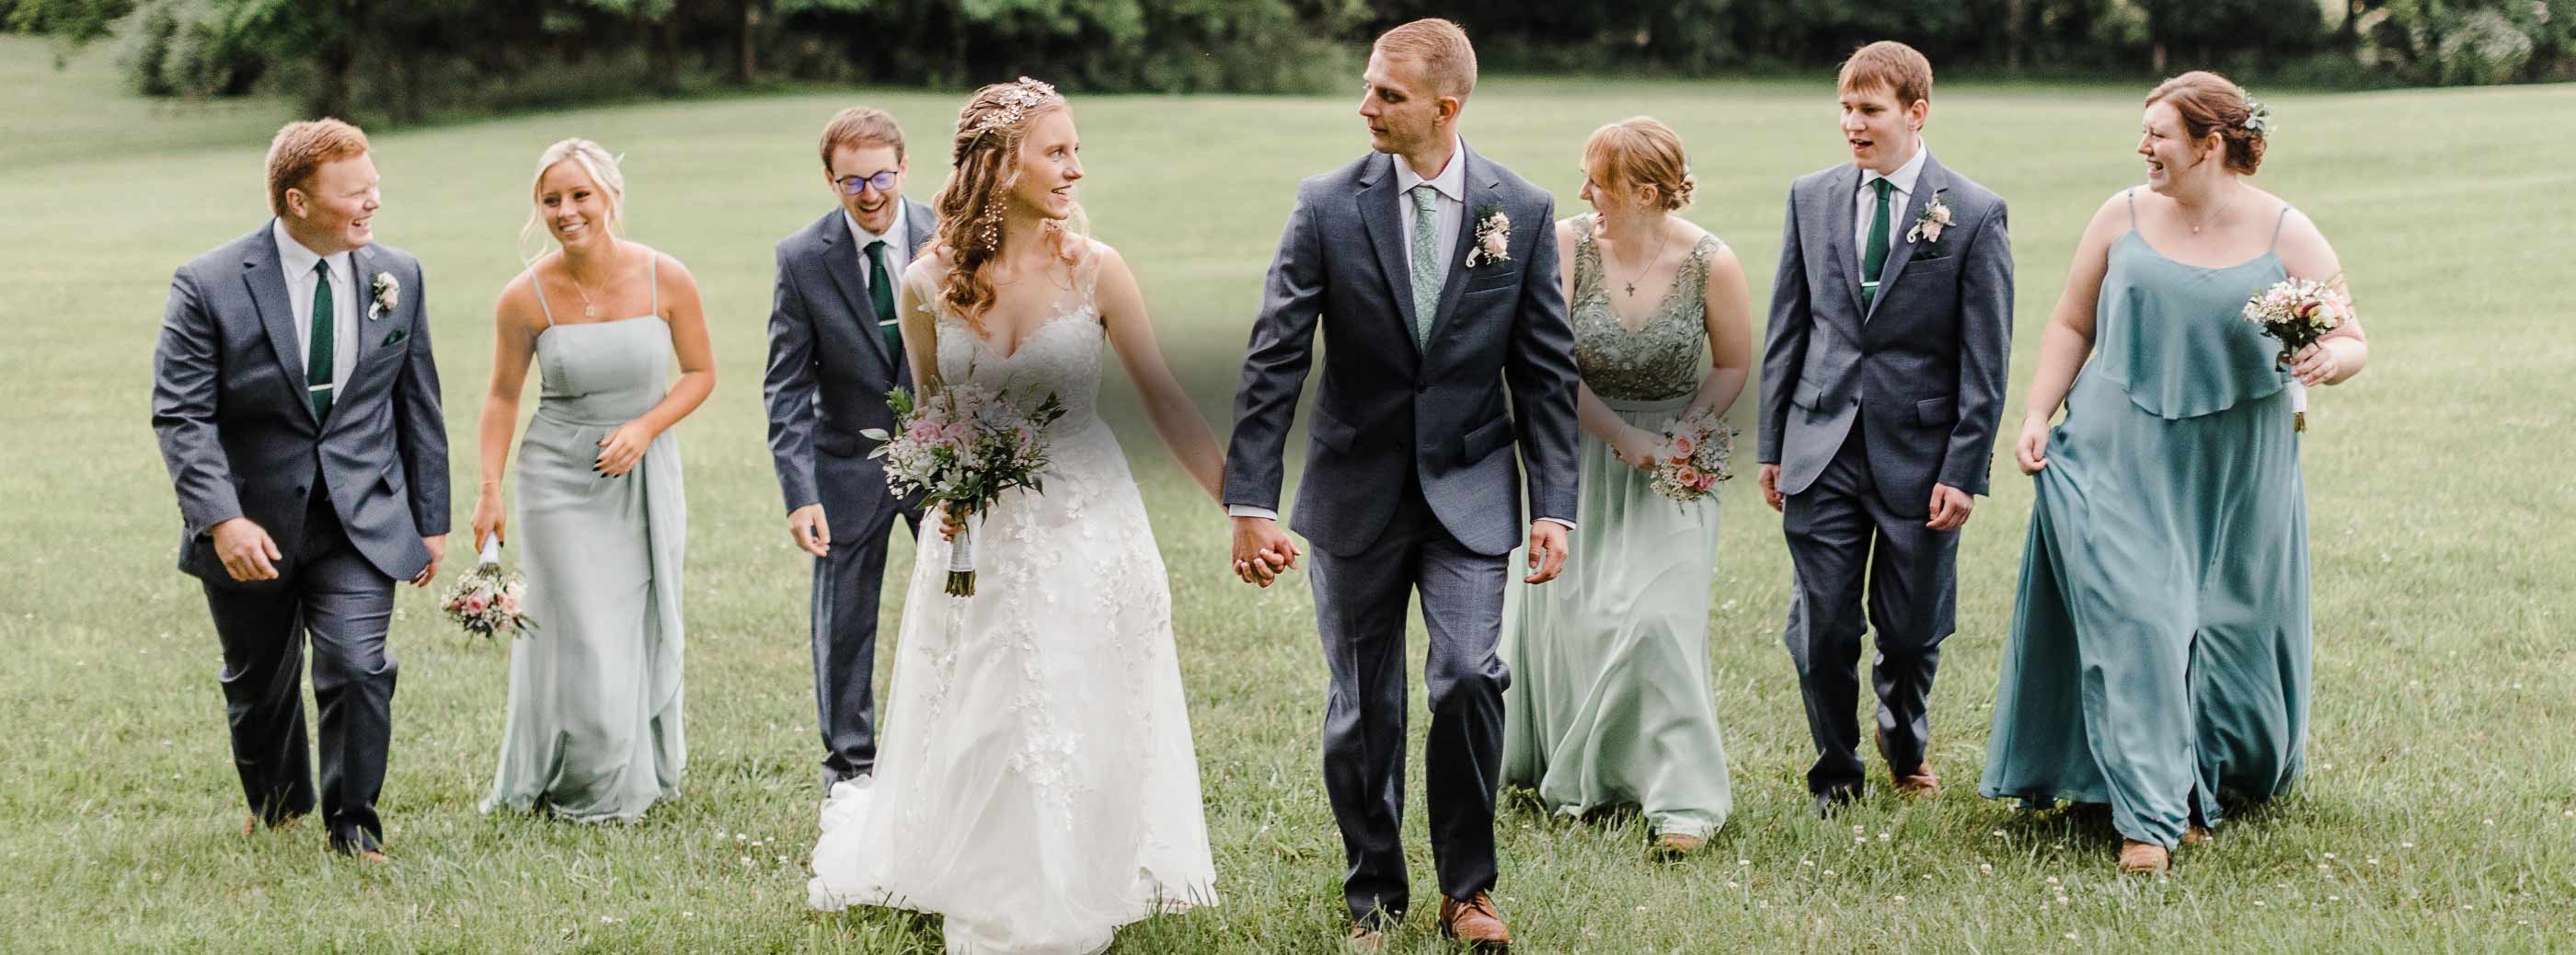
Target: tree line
point(407, 60)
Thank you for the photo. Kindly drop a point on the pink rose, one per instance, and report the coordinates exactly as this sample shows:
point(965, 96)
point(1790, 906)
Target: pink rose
point(474, 604)
point(1687, 475)
point(1706, 481)
point(1682, 445)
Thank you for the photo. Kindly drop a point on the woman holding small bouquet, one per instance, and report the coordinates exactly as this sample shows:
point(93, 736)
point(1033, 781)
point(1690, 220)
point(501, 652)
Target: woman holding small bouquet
point(2159, 654)
point(1610, 702)
point(593, 732)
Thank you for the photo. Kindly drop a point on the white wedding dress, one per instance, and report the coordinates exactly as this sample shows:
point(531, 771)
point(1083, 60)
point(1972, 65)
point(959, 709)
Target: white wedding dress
point(1036, 785)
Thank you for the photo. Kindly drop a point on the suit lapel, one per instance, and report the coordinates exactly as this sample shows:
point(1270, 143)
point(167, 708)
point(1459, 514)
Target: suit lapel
point(267, 282)
point(841, 262)
point(1840, 242)
point(1379, 214)
point(1900, 251)
point(361, 284)
point(1481, 191)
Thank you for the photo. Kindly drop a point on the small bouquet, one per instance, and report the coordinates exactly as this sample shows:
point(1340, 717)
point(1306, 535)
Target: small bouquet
point(963, 447)
point(485, 601)
point(2299, 312)
point(1694, 456)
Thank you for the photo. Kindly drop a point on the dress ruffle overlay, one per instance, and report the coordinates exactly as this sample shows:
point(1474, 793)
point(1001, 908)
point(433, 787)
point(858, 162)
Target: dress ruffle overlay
point(2159, 654)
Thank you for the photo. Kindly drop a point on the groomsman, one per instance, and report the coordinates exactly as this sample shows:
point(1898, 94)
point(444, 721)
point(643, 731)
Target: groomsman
point(1891, 320)
point(296, 403)
point(834, 352)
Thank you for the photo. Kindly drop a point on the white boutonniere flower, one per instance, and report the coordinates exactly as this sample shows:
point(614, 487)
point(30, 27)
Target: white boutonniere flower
point(1493, 237)
point(1936, 217)
point(387, 292)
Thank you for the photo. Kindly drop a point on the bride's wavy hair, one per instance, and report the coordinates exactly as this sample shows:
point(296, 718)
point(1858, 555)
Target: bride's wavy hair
point(986, 163)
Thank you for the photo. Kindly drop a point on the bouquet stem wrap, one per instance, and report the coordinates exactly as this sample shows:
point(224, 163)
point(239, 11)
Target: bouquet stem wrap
point(961, 557)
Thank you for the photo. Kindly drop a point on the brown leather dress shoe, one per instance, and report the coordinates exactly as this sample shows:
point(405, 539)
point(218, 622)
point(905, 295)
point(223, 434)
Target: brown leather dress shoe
point(1475, 923)
point(1675, 845)
point(2195, 836)
point(1921, 782)
point(2143, 858)
point(1365, 939)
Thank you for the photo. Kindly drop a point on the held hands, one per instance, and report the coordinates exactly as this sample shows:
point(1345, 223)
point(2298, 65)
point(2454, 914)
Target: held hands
point(1950, 507)
point(1546, 551)
point(619, 451)
point(2316, 365)
point(1262, 551)
point(246, 550)
point(810, 531)
point(2030, 450)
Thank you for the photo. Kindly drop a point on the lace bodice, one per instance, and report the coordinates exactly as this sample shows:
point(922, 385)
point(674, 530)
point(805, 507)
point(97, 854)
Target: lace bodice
point(1661, 359)
point(1060, 354)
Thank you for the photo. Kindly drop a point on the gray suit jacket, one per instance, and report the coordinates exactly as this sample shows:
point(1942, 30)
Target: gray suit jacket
point(829, 371)
point(1389, 408)
point(1923, 370)
point(238, 433)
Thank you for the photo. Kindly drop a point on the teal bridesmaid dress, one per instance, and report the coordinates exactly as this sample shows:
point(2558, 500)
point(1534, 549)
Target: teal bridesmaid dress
point(593, 732)
point(1610, 702)
point(2159, 654)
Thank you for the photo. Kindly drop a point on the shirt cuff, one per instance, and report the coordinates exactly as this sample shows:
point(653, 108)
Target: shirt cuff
point(1247, 510)
point(1569, 525)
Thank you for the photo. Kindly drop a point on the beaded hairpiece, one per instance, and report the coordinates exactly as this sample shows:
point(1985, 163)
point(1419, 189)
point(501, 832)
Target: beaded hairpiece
point(1013, 103)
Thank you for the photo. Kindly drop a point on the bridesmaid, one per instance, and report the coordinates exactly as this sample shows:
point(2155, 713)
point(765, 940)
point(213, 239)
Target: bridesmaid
point(2159, 652)
point(594, 719)
point(1610, 701)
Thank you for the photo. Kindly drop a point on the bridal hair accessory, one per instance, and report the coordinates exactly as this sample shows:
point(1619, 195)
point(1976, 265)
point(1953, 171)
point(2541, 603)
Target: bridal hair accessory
point(1013, 103)
point(2258, 115)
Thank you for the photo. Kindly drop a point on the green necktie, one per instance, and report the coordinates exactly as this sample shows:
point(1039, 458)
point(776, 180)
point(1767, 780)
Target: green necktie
point(317, 358)
point(1426, 261)
point(1873, 256)
point(881, 295)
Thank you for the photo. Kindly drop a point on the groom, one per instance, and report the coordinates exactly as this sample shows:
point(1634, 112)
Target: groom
point(1891, 320)
point(1431, 271)
point(834, 352)
point(296, 402)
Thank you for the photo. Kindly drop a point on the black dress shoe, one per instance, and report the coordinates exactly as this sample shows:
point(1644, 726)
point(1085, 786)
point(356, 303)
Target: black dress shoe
point(1832, 801)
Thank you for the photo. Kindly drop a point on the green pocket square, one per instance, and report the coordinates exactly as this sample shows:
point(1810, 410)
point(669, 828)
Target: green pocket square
point(392, 338)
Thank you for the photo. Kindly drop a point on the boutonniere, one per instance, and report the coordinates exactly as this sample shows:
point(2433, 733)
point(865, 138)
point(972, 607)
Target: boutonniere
point(387, 292)
point(1936, 217)
point(1493, 236)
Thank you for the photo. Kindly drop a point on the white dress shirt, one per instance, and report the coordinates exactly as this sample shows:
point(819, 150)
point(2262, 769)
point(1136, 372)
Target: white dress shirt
point(346, 305)
point(1865, 203)
point(898, 257)
point(1451, 205)
point(1451, 184)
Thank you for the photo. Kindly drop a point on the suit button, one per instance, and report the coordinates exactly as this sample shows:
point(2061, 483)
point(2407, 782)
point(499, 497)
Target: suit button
point(299, 489)
point(1422, 389)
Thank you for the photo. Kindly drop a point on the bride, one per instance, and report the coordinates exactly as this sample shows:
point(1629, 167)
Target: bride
point(1037, 787)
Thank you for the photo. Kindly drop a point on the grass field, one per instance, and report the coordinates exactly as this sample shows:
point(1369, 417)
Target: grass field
point(2440, 814)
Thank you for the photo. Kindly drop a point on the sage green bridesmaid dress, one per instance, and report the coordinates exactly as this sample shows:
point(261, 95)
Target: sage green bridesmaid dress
point(1610, 702)
point(2159, 653)
point(594, 716)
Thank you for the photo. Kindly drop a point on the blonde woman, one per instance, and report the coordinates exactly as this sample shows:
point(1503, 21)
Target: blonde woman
point(1037, 787)
point(1610, 702)
point(594, 720)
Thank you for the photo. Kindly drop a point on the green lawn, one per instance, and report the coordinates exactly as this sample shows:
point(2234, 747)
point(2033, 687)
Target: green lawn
point(2440, 813)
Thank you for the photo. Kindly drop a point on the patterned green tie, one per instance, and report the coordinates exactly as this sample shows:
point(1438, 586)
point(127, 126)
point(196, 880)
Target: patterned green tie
point(881, 295)
point(1426, 261)
point(317, 358)
point(1873, 256)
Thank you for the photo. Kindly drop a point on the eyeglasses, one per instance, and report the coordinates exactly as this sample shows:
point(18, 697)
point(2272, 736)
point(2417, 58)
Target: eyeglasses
point(882, 182)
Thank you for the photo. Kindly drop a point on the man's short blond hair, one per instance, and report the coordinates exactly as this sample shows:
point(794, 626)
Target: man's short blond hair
point(301, 148)
point(861, 126)
point(1440, 47)
point(1888, 65)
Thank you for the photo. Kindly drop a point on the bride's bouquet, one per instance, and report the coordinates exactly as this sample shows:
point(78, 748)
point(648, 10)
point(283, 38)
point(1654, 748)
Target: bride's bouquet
point(485, 600)
point(2299, 312)
point(1695, 455)
point(963, 447)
